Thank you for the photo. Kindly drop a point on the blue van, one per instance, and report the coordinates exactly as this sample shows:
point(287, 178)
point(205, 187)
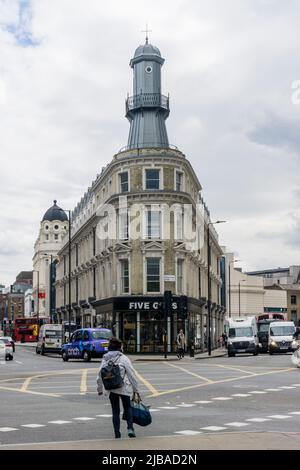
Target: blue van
point(87, 343)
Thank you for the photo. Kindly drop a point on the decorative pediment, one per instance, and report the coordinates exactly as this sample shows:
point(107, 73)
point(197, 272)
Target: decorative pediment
point(122, 247)
point(152, 246)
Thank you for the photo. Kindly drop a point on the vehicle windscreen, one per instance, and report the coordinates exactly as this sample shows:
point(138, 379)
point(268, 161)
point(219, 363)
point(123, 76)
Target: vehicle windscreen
point(282, 330)
point(52, 334)
point(101, 334)
point(239, 332)
point(263, 327)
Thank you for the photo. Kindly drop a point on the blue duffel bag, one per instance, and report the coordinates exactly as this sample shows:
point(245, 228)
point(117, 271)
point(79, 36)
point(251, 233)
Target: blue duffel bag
point(141, 414)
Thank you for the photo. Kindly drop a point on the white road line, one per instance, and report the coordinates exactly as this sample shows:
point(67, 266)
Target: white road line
point(272, 389)
point(296, 385)
point(258, 420)
point(187, 432)
point(279, 416)
point(84, 418)
point(186, 405)
point(8, 429)
point(258, 392)
point(203, 401)
point(59, 421)
point(104, 416)
point(213, 428)
point(33, 425)
point(223, 398)
point(241, 395)
point(294, 413)
point(154, 409)
point(237, 424)
point(287, 387)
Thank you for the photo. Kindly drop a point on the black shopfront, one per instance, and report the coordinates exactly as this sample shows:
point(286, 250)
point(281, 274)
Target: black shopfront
point(141, 322)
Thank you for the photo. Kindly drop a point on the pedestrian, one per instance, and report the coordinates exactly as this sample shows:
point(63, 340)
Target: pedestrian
point(180, 344)
point(125, 392)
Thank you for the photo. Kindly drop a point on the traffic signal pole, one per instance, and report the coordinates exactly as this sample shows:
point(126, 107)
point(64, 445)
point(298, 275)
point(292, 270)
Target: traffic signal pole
point(167, 313)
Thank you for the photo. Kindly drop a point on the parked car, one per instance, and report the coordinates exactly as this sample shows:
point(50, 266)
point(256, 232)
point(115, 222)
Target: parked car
point(9, 354)
point(2, 351)
point(9, 339)
point(87, 343)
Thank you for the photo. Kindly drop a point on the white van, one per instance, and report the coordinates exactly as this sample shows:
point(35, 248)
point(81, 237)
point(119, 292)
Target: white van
point(50, 339)
point(241, 336)
point(282, 337)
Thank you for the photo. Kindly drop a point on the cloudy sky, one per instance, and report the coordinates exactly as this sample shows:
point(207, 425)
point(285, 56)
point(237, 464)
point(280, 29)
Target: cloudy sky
point(230, 70)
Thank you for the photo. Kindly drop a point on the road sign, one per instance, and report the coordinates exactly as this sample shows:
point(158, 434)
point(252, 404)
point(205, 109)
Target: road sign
point(169, 278)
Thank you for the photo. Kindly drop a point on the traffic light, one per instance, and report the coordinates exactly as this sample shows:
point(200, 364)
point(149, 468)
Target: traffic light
point(183, 313)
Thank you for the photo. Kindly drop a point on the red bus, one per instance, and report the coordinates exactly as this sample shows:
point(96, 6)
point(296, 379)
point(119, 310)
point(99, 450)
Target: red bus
point(27, 329)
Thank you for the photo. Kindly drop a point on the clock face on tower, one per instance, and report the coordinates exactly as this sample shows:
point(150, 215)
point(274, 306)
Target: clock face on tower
point(148, 69)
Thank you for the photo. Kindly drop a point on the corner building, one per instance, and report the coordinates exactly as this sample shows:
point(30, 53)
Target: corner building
point(141, 230)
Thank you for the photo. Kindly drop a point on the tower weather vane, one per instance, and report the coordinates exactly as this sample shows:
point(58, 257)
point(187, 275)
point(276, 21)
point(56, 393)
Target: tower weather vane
point(147, 31)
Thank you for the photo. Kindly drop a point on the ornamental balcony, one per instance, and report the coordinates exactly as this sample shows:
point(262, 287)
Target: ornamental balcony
point(147, 100)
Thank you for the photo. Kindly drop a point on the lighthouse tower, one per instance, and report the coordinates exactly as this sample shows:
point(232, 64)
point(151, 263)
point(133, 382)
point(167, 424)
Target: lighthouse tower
point(147, 109)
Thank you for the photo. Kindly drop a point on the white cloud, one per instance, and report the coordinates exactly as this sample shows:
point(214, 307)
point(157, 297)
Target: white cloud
point(229, 69)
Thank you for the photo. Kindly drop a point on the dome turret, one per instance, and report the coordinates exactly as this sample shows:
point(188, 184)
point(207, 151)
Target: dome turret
point(55, 213)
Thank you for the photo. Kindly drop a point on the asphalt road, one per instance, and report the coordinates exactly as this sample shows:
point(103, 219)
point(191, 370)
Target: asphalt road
point(43, 399)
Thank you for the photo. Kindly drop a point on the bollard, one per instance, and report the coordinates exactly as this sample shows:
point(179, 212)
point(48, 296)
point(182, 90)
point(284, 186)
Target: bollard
point(192, 350)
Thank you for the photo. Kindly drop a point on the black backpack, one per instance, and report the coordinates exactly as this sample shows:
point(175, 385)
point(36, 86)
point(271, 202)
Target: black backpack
point(111, 376)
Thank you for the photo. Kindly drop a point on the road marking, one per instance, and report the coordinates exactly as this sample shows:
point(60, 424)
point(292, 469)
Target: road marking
point(279, 416)
point(147, 384)
point(26, 384)
point(213, 428)
point(286, 387)
point(236, 368)
point(223, 398)
point(104, 416)
point(188, 432)
point(84, 418)
point(203, 401)
point(237, 424)
point(18, 362)
point(30, 391)
point(83, 385)
point(189, 372)
point(231, 379)
point(8, 429)
point(272, 389)
point(241, 395)
point(33, 425)
point(258, 420)
point(296, 385)
point(186, 405)
point(294, 413)
point(60, 422)
point(257, 392)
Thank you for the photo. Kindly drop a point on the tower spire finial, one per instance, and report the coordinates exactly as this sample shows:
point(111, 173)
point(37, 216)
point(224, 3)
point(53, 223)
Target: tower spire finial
point(147, 31)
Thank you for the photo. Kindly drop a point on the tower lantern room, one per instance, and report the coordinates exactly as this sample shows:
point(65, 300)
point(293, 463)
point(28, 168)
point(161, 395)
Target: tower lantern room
point(147, 109)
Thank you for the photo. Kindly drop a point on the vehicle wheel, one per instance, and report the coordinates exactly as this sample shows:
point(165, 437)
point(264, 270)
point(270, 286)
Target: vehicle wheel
point(86, 356)
point(37, 351)
point(65, 356)
point(231, 355)
point(270, 352)
point(255, 353)
point(11, 358)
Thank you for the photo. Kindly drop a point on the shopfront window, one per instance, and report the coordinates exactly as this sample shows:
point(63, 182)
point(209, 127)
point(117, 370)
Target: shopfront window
point(152, 330)
point(129, 332)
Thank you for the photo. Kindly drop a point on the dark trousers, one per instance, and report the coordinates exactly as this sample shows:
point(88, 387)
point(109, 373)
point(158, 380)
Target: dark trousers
point(115, 405)
point(180, 352)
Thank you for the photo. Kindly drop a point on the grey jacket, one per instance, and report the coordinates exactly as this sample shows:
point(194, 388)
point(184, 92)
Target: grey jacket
point(130, 384)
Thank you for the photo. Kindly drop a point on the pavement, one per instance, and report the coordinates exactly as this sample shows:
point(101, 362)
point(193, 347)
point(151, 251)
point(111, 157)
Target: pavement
point(219, 352)
point(225, 441)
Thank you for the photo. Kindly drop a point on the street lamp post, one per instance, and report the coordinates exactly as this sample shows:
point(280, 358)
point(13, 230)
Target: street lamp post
point(50, 287)
point(69, 309)
point(240, 296)
point(229, 284)
point(38, 293)
point(209, 284)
